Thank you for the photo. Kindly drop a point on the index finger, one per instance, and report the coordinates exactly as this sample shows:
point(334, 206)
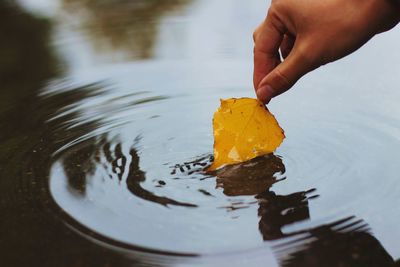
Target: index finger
point(267, 40)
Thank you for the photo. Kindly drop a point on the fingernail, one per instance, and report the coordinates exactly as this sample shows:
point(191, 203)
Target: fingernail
point(265, 93)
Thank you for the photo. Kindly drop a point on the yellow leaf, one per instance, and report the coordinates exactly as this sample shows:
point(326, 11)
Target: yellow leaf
point(243, 129)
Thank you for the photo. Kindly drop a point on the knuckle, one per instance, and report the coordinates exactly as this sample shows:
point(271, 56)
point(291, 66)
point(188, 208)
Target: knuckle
point(309, 55)
point(255, 36)
point(257, 31)
point(275, 16)
point(276, 7)
point(271, 11)
point(282, 78)
point(304, 55)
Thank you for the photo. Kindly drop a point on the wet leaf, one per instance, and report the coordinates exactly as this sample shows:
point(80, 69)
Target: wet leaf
point(243, 129)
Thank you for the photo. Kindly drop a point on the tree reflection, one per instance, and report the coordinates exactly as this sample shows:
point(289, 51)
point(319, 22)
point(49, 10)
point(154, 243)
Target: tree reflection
point(123, 25)
point(33, 228)
point(79, 164)
point(82, 162)
point(344, 243)
point(136, 176)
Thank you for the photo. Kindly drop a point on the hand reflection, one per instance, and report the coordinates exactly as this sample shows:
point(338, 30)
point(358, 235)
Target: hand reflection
point(276, 211)
point(255, 177)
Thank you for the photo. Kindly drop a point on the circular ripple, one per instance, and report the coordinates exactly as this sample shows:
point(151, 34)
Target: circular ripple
point(135, 175)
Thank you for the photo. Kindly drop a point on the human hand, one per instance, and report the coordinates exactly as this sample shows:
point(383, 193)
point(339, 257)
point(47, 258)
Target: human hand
point(311, 33)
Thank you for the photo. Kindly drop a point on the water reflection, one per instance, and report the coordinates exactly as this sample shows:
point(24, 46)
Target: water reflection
point(30, 226)
point(252, 177)
point(124, 26)
point(22, 71)
point(198, 165)
point(255, 178)
point(277, 211)
point(78, 165)
point(346, 242)
point(81, 165)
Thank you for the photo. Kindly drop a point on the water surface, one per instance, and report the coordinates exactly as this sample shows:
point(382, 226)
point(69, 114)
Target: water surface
point(106, 128)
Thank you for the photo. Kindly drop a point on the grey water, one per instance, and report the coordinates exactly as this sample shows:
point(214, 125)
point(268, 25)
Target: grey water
point(105, 118)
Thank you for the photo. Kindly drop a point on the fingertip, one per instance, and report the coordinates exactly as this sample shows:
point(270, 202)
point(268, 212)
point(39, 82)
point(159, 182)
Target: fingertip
point(265, 93)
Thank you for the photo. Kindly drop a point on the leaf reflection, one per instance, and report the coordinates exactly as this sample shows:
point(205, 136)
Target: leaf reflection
point(250, 177)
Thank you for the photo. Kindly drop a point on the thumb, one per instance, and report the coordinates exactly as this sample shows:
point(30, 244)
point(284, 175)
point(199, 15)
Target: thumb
point(285, 75)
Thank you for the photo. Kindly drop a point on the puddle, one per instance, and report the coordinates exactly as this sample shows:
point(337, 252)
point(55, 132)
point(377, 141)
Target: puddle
point(105, 136)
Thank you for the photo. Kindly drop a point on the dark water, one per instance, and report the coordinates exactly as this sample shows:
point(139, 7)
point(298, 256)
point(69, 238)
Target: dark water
point(105, 120)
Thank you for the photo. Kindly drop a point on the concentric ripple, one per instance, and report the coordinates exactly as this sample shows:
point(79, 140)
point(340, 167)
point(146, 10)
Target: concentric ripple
point(135, 175)
point(142, 181)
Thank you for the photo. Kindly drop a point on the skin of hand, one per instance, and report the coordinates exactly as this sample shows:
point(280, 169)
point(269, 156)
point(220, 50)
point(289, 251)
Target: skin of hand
point(311, 33)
